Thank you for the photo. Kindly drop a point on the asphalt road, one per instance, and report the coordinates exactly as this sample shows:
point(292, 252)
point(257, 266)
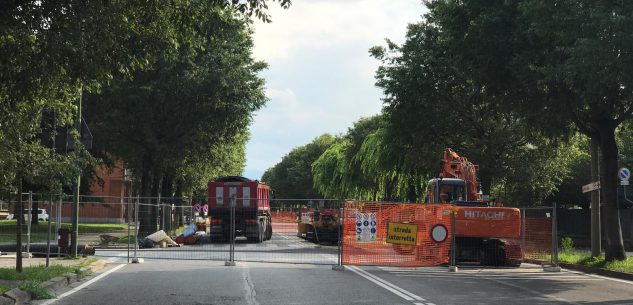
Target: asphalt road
point(303, 275)
point(162, 282)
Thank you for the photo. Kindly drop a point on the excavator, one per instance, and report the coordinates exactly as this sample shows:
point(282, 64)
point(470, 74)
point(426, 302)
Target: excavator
point(485, 231)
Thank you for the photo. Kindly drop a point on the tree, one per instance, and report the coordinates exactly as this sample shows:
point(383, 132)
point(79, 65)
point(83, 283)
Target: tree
point(555, 64)
point(292, 177)
point(364, 164)
point(192, 102)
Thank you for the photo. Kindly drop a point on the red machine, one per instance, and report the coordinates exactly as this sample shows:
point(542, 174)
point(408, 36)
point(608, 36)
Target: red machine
point(319, 225)
point(252, 209)
point(483, 230)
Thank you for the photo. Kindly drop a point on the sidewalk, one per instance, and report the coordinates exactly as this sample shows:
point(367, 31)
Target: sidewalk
point(8, 261)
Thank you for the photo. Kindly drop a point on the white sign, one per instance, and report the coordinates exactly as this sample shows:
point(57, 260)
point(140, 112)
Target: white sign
point(624, 174)
point(591, 187)
point(439, 233)
point(366, 227)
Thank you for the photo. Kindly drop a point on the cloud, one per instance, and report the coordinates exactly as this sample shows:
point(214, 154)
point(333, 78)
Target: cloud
point(321, 76)
point(324, 24)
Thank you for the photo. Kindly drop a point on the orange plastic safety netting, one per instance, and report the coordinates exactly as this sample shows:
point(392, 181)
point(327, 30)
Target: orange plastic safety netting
point(396, 234)
point(537, 240)
point(284, 221)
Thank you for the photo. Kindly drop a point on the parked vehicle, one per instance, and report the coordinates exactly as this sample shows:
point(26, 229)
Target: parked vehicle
point(42, 215)
point(252, 209)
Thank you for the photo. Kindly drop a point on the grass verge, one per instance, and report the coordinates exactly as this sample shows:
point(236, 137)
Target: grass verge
point(31, 278)
point(39, 231)
point(584, 258)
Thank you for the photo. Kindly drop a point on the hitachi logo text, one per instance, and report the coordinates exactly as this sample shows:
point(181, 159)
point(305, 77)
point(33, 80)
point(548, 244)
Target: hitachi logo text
point(485, 215)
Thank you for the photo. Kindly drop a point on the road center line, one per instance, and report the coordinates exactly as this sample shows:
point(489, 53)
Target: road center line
point(82, 286)
point(387, 285)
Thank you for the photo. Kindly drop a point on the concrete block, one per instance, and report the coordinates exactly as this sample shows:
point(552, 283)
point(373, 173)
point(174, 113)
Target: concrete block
point(72, 277)
point(229, 263)
point(6, 301)
point(338, 268)
point(551, 269)
point(18, 296)
point(138, 260)
point(56, 283)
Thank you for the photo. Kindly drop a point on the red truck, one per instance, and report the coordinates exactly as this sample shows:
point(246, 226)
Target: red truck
point(252, 209)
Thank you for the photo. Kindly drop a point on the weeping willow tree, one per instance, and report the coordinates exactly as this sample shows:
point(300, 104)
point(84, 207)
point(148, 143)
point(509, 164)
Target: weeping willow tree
point(365, 165)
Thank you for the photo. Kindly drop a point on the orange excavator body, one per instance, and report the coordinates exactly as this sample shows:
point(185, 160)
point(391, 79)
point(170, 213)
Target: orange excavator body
point(478, 222)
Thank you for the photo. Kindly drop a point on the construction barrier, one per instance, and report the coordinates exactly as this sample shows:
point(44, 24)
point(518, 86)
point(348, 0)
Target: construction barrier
point(396, 234)
point(283, 221)
point(536, 240)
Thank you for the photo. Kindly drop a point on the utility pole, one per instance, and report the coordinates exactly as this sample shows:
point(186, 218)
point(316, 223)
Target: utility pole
point(596, 247)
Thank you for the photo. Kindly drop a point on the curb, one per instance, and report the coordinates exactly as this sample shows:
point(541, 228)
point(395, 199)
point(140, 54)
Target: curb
point(598, 271)
point(17, 296)
point(589, 269)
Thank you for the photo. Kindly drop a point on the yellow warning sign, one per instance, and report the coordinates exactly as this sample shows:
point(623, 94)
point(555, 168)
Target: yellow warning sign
point(402, 233)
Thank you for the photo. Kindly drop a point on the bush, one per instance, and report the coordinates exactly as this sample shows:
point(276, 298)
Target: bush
point(567, 243)
point(36, 290)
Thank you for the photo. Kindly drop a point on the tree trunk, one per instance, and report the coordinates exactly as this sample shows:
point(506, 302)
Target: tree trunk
point(614, 248)
point(167, 195)
point(179, 222)
point(155, 207)
point(485, 183)
point(144, 225)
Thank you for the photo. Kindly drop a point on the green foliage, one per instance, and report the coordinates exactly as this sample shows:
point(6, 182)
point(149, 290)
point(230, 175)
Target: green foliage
point(365, 164)
point(556, 65)
point(292, 177)
point(36, 290)
point(184, 118)
point(37, 274)
point(585, 258)
point(567, 244)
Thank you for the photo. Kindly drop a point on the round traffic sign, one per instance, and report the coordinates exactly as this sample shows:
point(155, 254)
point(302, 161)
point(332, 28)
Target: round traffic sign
point(196, 208)
point(624, 174)
point(205, 208)
point(439, 233)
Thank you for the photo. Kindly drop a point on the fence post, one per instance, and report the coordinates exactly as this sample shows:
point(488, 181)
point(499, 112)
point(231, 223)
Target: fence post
point(129, 219)
point(48, 233)
point(523, 212)
point(231, 261)
point(58, 222)
point(136, 259)
point(341, 213)
point(453, 267)
point(553, 267)
point(29, 219)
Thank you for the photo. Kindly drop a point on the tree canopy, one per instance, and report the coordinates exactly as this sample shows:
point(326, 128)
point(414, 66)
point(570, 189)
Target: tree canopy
point(292, 177)
point(556, 65)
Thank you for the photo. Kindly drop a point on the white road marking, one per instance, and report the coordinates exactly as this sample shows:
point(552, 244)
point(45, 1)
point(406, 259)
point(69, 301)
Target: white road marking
point(84, 285)
point(387, 285)
point(539, 293)
point(600, 277)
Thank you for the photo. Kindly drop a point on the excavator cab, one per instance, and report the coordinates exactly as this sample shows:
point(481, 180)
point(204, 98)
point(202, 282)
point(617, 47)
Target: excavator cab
point(446, 190)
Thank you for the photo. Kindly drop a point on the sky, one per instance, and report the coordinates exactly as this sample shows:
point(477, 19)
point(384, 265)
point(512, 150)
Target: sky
point(320, 77)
